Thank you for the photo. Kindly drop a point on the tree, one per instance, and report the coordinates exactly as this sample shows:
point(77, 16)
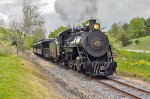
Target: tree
point(2, 23)
point(121, 33)
point(29, 42)
point(147, 24)
point(33, 22)
point(125, 26)
point(114, 29)
point(57, 31)
point(29, 27)
point(1, 29)
point(16, 35)
point(39, 33)
point(137, 27)
point(84, 23)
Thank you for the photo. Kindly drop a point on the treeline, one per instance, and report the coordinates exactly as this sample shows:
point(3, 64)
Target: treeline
point(137, 27)
point(25, 31)
point(56, 32)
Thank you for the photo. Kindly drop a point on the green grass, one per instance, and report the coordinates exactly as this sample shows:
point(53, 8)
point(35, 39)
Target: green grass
point(144, 44)
point(134, 64)
point(19, 79)
point(10, 75)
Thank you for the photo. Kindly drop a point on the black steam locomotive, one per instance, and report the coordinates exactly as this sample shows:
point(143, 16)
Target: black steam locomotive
point(85, 50)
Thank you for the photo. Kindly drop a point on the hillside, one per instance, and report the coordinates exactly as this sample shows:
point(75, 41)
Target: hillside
point(144, 44)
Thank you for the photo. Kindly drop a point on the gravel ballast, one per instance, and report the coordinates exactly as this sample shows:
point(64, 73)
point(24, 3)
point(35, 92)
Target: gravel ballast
point(73, 85)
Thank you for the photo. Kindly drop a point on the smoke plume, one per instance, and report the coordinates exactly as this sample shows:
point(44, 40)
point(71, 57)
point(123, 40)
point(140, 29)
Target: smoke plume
point(75, 11)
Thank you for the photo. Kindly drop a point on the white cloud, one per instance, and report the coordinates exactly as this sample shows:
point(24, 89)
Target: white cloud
point(111, 11)
point(48, 6)
point(7, 1)
point(11, 7)
point(3, 16)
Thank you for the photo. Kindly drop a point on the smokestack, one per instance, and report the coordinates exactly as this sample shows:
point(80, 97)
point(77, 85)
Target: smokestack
point(91, 23)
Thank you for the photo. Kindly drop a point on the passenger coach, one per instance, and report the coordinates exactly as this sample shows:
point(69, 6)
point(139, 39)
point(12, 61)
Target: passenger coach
point(42, 47)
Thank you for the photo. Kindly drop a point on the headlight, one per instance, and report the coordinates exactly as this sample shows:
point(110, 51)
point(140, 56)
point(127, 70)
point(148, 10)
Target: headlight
point(96, 26)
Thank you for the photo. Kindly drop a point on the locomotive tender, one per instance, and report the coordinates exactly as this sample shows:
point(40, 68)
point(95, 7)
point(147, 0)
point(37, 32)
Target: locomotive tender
point(83, 49)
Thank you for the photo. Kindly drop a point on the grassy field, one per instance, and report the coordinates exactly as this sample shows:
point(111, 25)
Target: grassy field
point(134, 64)
point(144, 44)
point(20, 80)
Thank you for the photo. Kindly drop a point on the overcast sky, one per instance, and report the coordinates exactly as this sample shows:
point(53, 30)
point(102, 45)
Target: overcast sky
point(109, 11)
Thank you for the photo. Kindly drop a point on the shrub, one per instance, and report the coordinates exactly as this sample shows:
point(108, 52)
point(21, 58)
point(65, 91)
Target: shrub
point(126, 42)
point(29, 42)
point(137, 42)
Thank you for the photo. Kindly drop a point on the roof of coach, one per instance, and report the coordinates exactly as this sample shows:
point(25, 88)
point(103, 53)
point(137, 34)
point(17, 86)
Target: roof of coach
point(47, 40)
point(44, 40)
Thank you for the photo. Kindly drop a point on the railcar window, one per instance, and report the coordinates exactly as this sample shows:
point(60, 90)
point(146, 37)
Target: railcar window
point(56, 41)
point(39, 46)
point(45, 45)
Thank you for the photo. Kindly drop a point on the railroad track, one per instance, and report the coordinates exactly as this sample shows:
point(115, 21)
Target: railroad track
point(129, 90)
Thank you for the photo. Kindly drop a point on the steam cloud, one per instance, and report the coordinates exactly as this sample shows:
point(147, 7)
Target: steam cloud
point(75, 11)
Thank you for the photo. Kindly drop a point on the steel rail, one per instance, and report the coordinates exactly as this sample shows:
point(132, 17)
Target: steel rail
point(139, 89)
point(111, 86)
